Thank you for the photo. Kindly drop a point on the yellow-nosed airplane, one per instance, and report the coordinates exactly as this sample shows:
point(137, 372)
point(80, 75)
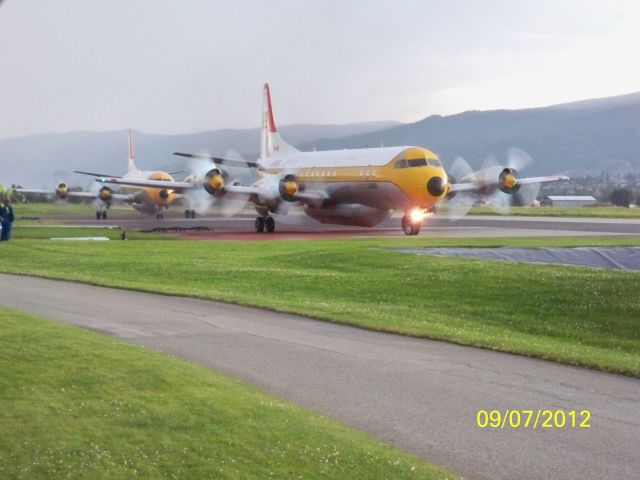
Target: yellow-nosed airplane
point(360, 187)
point(148, 200)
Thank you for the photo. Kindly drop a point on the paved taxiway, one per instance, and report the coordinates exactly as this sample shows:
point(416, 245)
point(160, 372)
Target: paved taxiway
point(420, 395)
point(300, 226)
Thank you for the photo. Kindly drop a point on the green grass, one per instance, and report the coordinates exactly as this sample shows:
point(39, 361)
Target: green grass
point(55, 209)
point(581, 316)
point(593, 212)
point(77, 404)
point(29, 231)
point(68, 209)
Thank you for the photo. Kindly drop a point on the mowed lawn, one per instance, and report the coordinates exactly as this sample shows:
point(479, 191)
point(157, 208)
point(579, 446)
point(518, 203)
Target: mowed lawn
point(590, 212)
point(68, 209)
point(575, 315)
point(37, 231)
point(78, 404)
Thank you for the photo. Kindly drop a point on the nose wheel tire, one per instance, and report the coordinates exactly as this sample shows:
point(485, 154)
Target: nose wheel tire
point(189, 213)
point(410, 228)
point(259, 224)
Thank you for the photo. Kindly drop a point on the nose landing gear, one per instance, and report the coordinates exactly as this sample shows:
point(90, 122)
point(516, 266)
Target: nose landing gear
point(412, 223)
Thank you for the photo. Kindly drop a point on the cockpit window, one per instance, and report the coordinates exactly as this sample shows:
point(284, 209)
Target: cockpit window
point(401, 164)
point(418, 162)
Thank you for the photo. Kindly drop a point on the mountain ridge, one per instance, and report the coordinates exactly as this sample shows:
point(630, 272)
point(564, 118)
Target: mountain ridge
point(585, 137)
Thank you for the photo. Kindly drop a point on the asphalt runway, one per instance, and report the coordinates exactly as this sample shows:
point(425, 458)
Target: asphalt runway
point(417, 394)
point(300, 226)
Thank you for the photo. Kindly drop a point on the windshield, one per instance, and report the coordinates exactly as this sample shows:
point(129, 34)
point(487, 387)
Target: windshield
point(418, 162)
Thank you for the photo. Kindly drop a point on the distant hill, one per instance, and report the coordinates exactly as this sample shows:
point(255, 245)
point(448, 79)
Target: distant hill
point(589, 136)
point(580, 137)
point(43, 160)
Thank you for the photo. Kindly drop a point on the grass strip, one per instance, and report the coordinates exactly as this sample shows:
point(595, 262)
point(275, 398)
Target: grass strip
point(78, 404)
point(574, 315)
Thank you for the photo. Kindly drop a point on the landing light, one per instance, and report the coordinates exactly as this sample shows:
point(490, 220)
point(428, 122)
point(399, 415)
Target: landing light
point(416, 215)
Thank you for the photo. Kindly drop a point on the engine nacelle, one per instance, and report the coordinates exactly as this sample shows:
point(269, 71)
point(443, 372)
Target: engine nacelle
point(213, 182)
point(62, 191)
point(452, 180)
point(105, 194)
point(508, 181)
point(288, 188)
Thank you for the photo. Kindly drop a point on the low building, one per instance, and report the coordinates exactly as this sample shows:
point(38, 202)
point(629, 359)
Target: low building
point(568, 201)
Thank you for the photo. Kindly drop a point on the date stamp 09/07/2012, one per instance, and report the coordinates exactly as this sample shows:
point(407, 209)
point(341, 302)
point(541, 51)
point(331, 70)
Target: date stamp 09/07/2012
point(533, 419)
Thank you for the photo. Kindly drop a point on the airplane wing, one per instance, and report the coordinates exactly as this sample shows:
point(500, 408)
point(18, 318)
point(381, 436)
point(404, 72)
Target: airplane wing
point(219, 160)
point(114, 196)
point(120, 197)
point(255, 194)
point(251, 193)
point(53, 192)
point(92, 174)
point(480, 187)
point(179, 187)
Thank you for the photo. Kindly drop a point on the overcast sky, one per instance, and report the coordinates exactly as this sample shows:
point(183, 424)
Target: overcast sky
point(192, 65)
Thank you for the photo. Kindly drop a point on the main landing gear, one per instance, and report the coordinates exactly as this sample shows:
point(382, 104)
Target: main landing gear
point(189, 213)
point(159, 212)
point(265, 224)
point(411, 224)
point(101, 214)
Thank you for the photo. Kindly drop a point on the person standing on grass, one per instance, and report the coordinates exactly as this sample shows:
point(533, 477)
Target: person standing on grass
point(7, 218)
point(1, 214)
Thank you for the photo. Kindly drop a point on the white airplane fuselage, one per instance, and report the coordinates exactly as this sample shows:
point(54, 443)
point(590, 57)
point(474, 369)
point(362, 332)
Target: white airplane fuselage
point(149, 200)
point(362, 186)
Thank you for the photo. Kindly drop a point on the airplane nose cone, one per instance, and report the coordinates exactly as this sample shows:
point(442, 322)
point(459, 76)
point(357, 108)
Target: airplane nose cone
point(436, 186)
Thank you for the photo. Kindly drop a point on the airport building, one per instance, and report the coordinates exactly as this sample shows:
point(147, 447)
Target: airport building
point(568, 201)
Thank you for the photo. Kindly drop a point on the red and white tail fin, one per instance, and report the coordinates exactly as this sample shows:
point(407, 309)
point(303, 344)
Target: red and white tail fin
point(270, 143)
point(131, 166)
